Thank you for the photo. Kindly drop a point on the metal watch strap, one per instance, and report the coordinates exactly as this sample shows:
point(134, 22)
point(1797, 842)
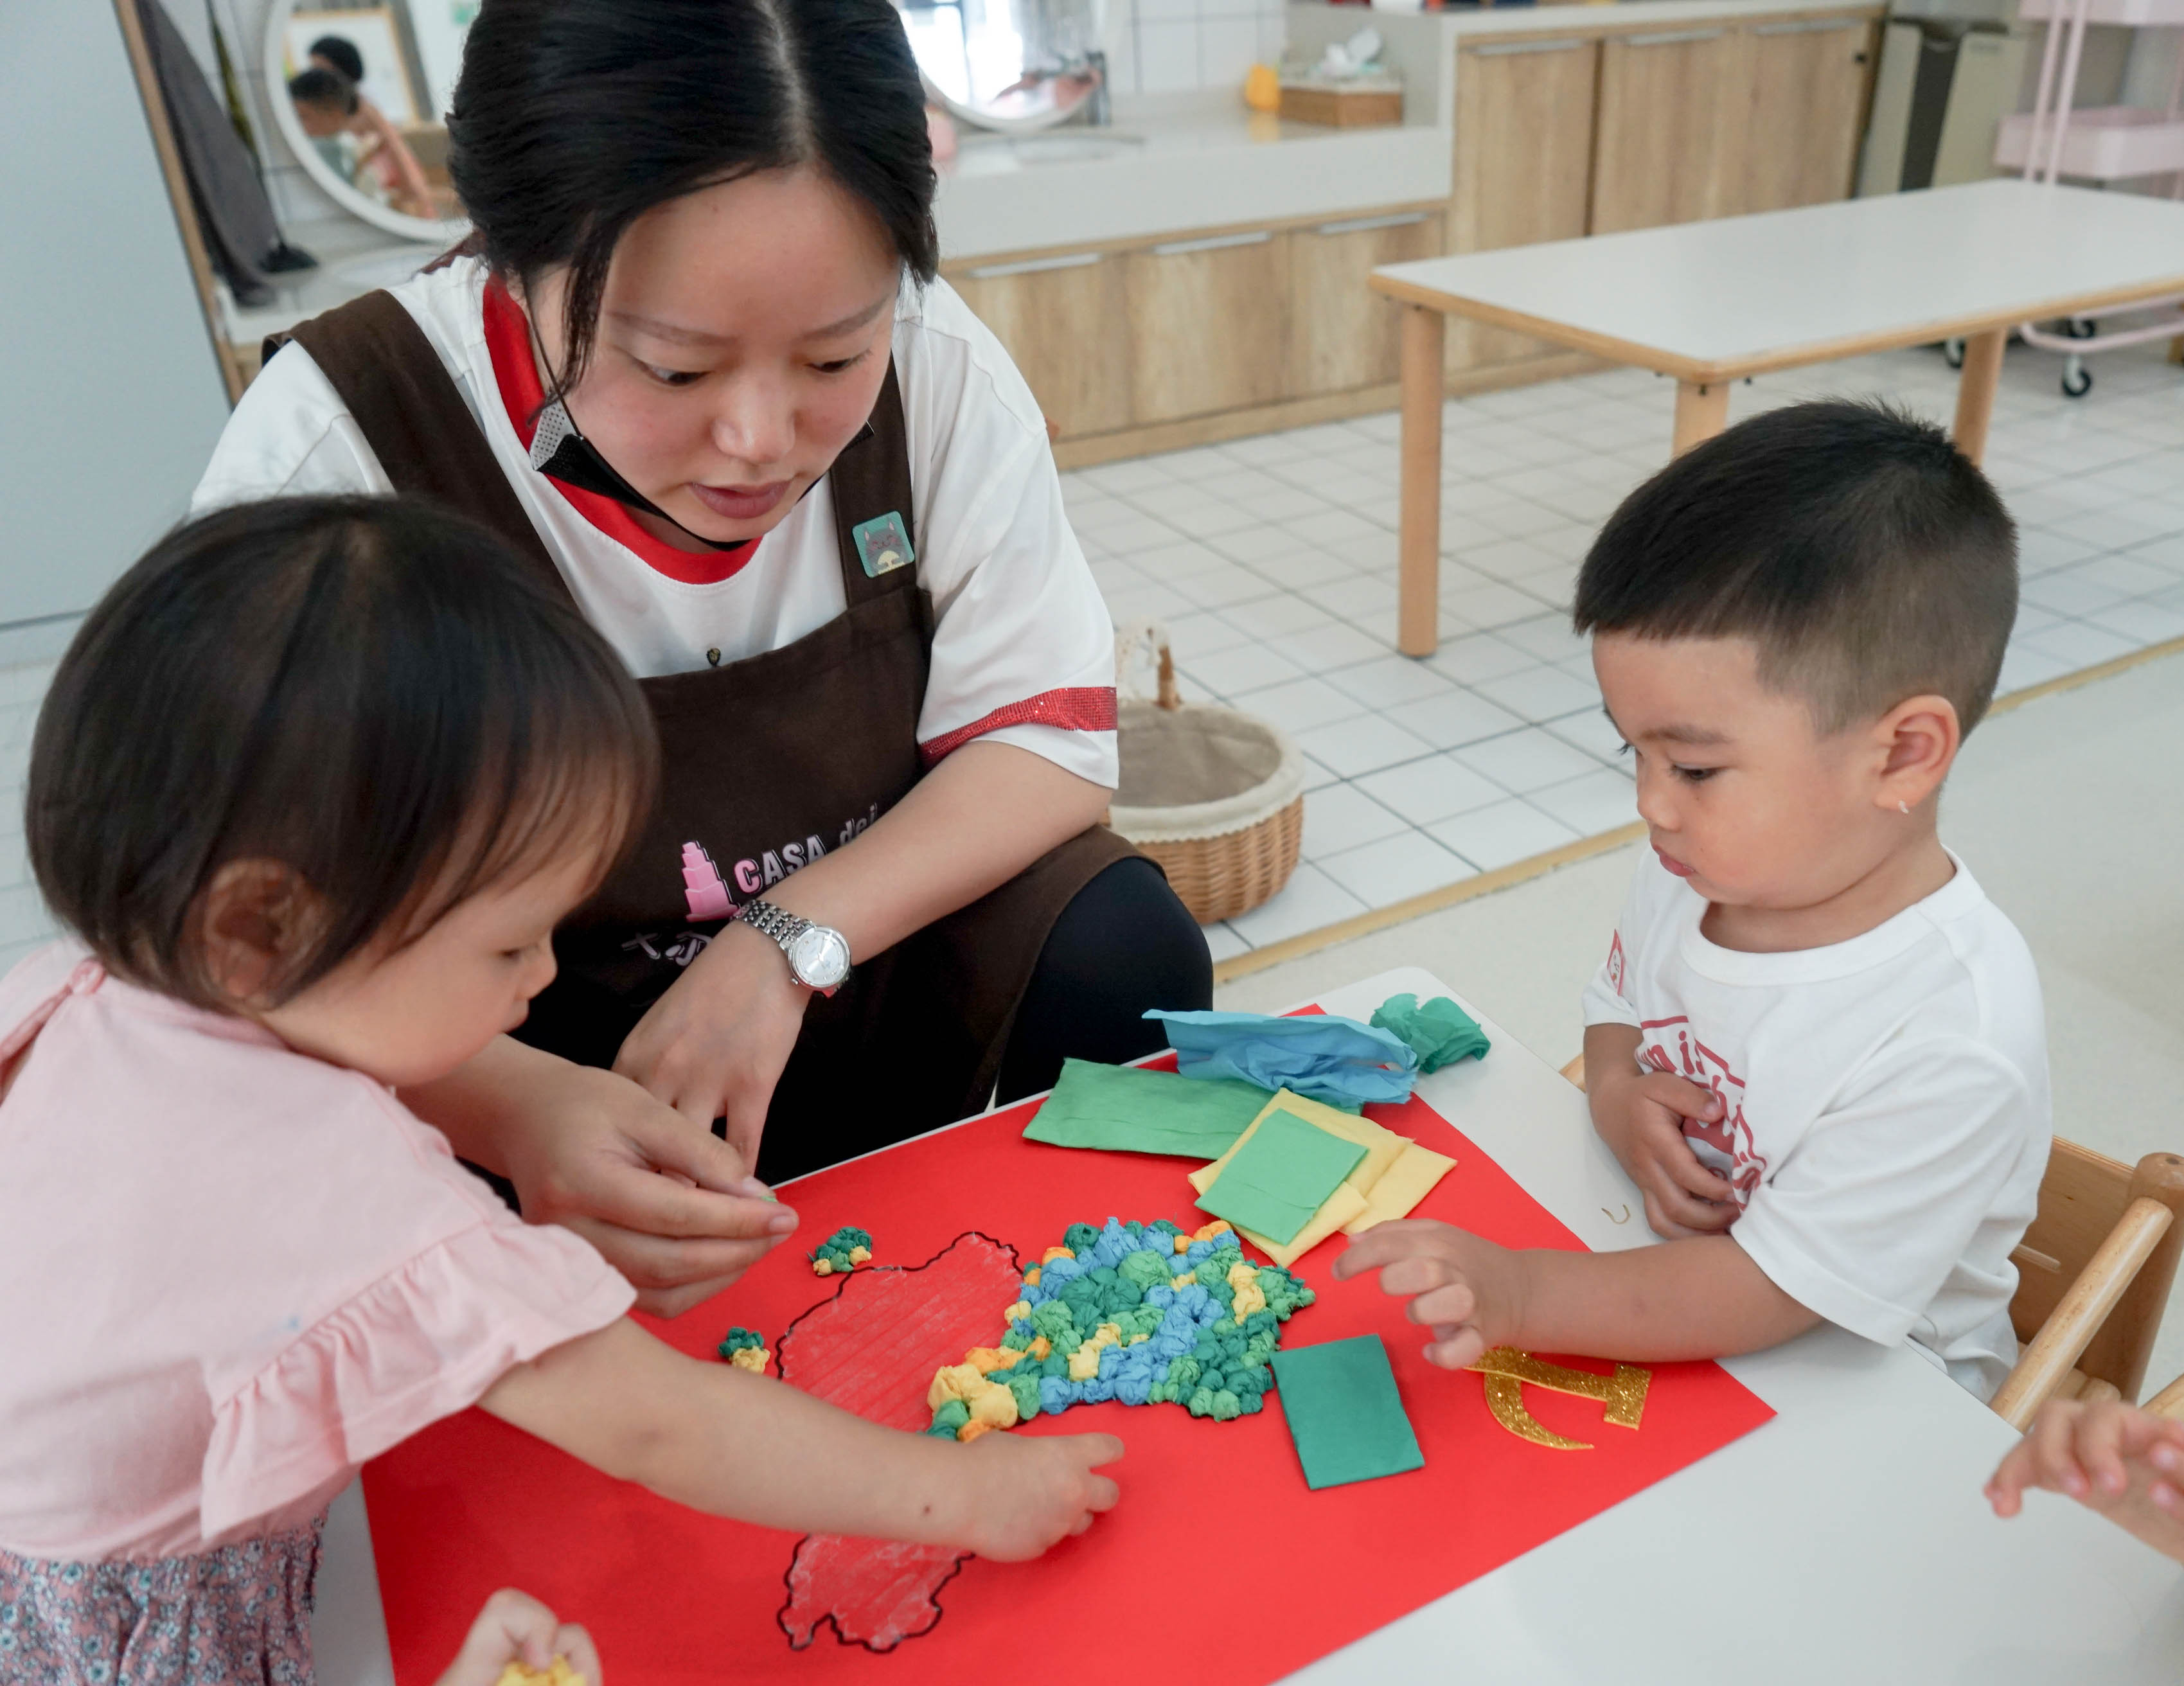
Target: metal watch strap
point(778, 923)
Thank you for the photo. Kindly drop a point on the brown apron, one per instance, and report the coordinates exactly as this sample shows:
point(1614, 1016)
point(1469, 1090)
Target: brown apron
point(767, 763)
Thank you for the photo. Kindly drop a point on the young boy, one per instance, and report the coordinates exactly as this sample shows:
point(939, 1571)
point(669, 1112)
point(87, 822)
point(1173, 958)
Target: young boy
point(1815, 1045)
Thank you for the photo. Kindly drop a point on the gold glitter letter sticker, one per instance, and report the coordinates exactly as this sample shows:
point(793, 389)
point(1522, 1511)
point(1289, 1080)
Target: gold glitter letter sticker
point(1622, 1395)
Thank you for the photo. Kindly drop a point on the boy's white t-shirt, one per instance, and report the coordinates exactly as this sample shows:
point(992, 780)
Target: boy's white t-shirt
point(1887, 1118)
point(1022, 649)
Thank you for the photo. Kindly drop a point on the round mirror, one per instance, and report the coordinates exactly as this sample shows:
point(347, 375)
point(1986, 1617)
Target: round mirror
point(1012, 65)
point(360, 93)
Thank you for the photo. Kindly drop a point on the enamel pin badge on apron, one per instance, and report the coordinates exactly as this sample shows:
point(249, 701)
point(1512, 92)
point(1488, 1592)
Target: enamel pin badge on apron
point(883, 544)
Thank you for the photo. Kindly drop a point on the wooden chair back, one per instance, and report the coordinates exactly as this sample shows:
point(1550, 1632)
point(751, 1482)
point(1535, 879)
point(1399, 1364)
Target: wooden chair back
point(2085, 1200)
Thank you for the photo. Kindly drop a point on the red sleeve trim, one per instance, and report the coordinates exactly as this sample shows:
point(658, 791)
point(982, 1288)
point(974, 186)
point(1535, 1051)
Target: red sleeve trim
point(1084, 708)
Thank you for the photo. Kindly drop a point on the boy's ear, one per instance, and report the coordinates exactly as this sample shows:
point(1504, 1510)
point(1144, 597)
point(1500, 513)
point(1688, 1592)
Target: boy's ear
point(255, 915)
point(1918, 739)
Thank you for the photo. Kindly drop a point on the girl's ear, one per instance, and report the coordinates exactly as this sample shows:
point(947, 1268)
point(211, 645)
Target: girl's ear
point(255, 917)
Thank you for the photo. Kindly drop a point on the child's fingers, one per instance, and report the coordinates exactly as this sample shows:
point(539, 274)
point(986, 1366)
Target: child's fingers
point(2098, 1446)
point(1455, 1304)
point(2048, 1443)
point(1419, 1274)
point(513, 1626)
point(1460, 1348)
point(1385, 1243)
point(1686, 1099)
point(1684, 1209)
point(573, 1641)
point(1102, 1495)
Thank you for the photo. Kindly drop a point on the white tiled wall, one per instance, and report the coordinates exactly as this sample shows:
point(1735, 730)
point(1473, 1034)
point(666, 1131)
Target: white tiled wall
point(1169, 46)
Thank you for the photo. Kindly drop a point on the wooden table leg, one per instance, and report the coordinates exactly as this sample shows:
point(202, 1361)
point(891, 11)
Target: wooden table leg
point(1976, 390)
point(1701, 412)
point(1417, 611)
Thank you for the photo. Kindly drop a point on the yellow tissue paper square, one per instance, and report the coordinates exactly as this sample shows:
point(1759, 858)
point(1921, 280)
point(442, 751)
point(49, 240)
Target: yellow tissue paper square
point(1397, 1193)
point(1382, 1147)
point(1348, 1203)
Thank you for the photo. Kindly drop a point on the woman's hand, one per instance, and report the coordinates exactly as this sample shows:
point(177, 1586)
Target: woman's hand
point(715, 1044)
point(514, 1628)
point(668, 1205)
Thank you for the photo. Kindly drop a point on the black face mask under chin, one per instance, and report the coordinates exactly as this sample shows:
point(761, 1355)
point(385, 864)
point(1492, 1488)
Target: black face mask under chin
point(558, 451)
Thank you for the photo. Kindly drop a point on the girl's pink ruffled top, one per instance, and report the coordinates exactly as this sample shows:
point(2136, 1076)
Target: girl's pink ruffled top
point(235, 1272)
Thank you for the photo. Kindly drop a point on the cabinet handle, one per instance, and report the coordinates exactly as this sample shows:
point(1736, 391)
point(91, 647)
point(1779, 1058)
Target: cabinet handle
point(1809, 26)
point(1212, 242)
point(1032, 266)
point(1360, 225)
point(1510, 49)
point(1672, 37)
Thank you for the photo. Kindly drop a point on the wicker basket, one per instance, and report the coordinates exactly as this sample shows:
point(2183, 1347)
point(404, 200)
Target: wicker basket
point(1216, 797)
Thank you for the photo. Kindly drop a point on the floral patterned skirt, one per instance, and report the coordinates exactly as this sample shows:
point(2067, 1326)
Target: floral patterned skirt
point(237, 1615)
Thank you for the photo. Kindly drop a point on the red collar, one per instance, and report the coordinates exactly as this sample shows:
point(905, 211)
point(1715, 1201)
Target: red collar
point(508, 341)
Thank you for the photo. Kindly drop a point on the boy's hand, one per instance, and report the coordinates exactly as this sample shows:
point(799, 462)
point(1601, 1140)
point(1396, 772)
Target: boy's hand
point(2111, 1457)
point(1467, 1291)
point(1028, 1492)
point(514, 1628)
point(1641, 1116)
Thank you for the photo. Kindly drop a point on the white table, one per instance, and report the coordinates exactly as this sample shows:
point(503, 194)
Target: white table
point(1711, 302)
point(1844, 1541)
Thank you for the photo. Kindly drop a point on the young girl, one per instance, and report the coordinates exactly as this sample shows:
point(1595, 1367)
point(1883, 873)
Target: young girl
point(312, 788)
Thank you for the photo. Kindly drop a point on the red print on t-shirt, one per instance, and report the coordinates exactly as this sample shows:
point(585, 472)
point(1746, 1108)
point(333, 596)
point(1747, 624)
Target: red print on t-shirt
point(1670, 1046)
point(1615, 966)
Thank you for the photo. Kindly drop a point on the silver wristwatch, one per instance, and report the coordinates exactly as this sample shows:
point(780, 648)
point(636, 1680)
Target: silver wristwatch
point(818, 955)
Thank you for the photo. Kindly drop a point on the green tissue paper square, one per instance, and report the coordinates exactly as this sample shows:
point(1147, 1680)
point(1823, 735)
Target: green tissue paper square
point(1126, 1108)
point(1439, 1032)
point(1343, 1412)
point(1281, 1177)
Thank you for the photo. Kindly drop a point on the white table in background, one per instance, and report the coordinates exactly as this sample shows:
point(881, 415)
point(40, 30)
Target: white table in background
point(1845, 1540)
point(1711, 302)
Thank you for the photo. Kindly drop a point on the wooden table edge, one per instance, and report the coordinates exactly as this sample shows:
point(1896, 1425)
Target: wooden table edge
point(1702, 372)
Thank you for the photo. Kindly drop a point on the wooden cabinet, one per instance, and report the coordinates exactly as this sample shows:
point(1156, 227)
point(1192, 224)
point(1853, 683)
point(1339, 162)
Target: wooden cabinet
point(1664, 128)
point(1207, 324)
point(1804, 85)
point(1342, 334)
point(1523, 163)
point(1062, 319)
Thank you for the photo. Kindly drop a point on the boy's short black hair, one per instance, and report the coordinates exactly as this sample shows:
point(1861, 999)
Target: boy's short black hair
point(325, 88)
point(1865, 556)
point(379, 695)
point(340, 52)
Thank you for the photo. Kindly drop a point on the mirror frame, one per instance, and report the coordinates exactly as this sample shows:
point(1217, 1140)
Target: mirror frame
point(425, 230)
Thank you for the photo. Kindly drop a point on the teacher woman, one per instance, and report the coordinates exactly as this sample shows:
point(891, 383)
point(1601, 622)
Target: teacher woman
point(695, 362)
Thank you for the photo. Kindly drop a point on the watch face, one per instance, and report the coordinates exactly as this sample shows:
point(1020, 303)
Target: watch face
point(821, 957)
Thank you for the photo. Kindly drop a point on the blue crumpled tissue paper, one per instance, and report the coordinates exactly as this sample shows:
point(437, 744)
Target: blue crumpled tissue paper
point(1317, 1055)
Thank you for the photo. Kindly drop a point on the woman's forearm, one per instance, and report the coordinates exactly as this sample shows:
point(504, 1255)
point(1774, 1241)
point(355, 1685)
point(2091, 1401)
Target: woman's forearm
point(972, 824)
point(471, 1103)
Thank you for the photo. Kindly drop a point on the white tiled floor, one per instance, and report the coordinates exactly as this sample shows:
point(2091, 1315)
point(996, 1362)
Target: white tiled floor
point(1271, 561)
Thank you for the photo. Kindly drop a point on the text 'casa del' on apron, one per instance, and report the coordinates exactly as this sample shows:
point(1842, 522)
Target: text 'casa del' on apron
point(767, 763)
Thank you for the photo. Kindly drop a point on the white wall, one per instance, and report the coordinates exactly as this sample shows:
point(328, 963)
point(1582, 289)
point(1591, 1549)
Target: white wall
point(1165, 47)
point(110, 396)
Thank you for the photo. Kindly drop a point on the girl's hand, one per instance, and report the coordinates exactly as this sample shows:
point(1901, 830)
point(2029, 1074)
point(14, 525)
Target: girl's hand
point(514, 1628)
point(1467, 1291)
point(666, 1202)
point(2111, 1457)
point(1029, 1492)
point(714, 1045)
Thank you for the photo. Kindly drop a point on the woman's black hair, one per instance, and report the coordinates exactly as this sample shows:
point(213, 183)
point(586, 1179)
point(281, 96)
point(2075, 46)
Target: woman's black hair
point(340, 52)
point(573, 118)
point(379, 697)
point(316, 86)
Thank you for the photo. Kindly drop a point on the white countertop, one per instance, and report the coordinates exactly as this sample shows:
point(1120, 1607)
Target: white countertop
point(1189, 162)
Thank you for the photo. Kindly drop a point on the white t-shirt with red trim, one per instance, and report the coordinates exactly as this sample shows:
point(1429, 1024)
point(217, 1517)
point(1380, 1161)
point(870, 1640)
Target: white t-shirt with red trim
point(1022, 651)
point(1887, 1119)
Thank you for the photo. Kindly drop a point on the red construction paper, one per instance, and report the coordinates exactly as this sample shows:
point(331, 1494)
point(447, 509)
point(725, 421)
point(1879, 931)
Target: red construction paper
point(1212, 1514)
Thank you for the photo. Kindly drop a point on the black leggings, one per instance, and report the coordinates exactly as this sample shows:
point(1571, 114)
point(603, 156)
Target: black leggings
point(1124, 943)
